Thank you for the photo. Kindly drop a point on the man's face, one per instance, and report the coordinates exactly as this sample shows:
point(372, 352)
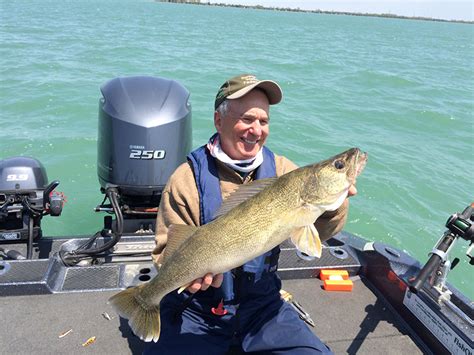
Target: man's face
point(245, 128)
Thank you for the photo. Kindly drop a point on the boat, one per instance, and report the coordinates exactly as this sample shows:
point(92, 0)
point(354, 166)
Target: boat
point(359, 297)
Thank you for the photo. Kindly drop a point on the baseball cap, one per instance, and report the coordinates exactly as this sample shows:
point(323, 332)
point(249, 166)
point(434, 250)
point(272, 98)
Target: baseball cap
point(241, 85)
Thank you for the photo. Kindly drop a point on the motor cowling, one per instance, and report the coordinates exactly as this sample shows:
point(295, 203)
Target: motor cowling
point(144, 135)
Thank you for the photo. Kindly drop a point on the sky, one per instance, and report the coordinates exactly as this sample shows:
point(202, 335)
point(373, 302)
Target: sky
point(447, 10)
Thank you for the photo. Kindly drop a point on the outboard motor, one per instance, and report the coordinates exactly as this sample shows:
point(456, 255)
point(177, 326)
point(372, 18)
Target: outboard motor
point(25, 197)
point(144, 135)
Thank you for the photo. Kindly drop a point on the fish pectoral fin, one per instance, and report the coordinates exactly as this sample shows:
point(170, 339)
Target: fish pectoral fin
point(177, 235)
point(306, 239)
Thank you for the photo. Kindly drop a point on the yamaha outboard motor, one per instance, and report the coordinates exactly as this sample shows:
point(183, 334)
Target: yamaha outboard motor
point(25, 197)
point(144, 135)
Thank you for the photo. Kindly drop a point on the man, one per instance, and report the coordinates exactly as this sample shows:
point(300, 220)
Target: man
point(242, 307)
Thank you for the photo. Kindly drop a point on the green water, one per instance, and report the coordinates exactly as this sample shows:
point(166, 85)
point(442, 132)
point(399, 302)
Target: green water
point(401, 90)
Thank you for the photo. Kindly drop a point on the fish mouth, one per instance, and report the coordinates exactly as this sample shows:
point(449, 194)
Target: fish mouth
point(360, 162)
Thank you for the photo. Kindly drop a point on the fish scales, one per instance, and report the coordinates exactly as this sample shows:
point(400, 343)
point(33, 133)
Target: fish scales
point(248, 229)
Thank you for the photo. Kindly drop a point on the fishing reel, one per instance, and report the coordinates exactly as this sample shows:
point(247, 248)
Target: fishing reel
point(463, 227)
point(460, 225)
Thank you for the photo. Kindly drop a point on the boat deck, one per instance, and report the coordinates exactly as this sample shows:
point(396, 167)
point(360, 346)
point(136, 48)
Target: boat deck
point(348, 322)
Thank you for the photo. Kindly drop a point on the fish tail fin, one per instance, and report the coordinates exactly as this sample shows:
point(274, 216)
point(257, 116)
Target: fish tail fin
point(143, 319)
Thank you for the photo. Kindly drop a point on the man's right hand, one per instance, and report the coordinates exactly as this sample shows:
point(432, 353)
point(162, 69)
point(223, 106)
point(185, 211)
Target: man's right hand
point(203, 283)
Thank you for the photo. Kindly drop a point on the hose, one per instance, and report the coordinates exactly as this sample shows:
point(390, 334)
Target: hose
point(73, 257)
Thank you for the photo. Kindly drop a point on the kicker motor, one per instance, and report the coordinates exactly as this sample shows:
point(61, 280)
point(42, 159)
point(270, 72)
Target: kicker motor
point(25, 198)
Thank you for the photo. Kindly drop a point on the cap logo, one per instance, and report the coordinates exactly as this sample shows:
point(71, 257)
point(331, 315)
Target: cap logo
point(248, 79)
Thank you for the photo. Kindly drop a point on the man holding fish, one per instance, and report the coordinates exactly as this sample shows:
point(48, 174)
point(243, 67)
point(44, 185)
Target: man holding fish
point(222, 217)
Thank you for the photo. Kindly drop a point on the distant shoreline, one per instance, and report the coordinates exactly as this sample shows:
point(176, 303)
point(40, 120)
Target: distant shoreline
point(288, 9)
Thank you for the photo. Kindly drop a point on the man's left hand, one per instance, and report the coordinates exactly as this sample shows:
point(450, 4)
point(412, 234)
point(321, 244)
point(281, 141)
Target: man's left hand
point(203, 283)
point(352, 191)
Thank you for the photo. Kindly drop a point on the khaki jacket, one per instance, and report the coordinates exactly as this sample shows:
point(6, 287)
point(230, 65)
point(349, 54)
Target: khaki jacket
point(180, 201)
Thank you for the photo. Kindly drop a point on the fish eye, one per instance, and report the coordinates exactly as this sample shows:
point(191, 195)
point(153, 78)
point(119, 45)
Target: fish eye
point(339, 164)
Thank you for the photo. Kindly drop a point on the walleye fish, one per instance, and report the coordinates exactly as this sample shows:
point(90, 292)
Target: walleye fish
point(253, 220)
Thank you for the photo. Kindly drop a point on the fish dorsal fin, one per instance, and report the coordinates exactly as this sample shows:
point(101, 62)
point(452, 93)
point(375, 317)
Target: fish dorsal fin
point(177, 235)
point(243, 193)
point(306, 239)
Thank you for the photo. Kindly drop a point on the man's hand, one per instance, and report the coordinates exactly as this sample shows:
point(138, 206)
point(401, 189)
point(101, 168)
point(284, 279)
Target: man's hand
point(352, 191)
point(203, 283)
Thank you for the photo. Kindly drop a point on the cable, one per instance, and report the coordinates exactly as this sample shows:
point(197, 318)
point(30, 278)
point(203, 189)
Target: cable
point(73, 257)
point(89, 242)
point(36, 212)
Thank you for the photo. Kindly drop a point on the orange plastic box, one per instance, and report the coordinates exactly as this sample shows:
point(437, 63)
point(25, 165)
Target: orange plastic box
point(326, 274)
point(338, 285)
point(336, 280)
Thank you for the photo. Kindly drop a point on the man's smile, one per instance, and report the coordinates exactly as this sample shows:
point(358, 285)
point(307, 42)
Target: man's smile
point(249, 141)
